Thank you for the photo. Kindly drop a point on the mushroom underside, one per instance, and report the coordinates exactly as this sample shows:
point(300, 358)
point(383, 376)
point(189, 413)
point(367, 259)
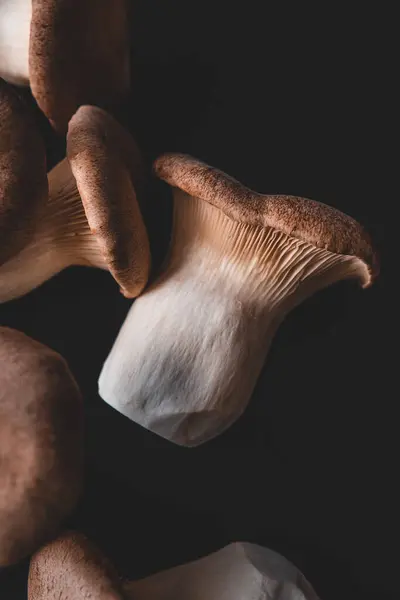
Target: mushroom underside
point(188, 356)
point(91, 217)
point(61, 238)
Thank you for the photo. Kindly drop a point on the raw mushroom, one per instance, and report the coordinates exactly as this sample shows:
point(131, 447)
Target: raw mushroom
point(91, 216)
point(70, 53)
point(23, 180)
point(240, 571)
point(72, 568)
point(187, 358)
point(41, 444)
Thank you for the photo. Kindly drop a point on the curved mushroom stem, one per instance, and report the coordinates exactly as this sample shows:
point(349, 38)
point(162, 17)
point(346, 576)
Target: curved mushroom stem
point(187, 358)
point(71, 567)
point(15, 22)
point(62, 238)
point(240, 570)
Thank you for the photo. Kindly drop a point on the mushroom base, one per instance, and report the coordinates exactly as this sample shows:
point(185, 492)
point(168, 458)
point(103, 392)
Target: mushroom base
point(62, 238)
point(188, 356)
point(238, 571)
point(15, 22)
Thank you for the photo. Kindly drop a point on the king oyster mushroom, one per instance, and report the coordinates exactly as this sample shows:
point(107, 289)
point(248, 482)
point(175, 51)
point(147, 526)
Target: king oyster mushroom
point(240, 571)
point(187, 358)
point(72, 568)
point(70, 53)
point(41, 444)
point(91, 215)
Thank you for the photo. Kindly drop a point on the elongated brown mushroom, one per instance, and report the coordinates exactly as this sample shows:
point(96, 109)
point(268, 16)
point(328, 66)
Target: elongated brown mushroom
point(188, 356)
point(236, 572)
point(41, 444)
point(70, 53)
point(91, 216)
point(23, 181)
point(72, 568)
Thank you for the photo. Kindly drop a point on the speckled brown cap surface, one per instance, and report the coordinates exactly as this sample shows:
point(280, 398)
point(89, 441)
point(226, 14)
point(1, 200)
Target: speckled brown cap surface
point(106, 164)
point(314, 222)
point(41, 442)
point(23, 180)
point(72, 568)
point(79, 54)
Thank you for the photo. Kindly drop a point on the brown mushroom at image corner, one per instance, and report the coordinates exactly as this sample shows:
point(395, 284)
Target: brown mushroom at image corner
point(189, 353)
point(91, 216)
point(71, 567)
point(41, 444)
point(70, 53)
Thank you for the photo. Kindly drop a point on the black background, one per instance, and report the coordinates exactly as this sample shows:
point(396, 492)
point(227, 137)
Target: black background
point(285, 103)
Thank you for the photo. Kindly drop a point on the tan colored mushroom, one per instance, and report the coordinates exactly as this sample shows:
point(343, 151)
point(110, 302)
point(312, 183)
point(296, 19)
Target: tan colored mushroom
point(23, 180)
point(240, 571)
point(91, 216)
point(41, 444)
point(70, 53)
point(188, 356)
point(72, 568)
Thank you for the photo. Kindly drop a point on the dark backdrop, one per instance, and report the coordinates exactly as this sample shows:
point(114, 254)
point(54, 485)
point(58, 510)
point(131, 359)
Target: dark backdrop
point(285, 103)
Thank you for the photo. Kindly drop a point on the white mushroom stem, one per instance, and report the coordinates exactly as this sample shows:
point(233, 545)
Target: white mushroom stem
point(62, 238)
point(15, 22)
point(238, 571)
point(188, 356)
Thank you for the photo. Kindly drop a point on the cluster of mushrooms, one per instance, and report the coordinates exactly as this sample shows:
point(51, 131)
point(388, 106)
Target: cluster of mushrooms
point(189, 353)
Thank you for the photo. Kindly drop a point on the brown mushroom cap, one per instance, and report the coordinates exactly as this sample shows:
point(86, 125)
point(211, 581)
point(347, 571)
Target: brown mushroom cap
point(23, 180)
point(72, 568)
point(40, 444)
point(105, 162)
point(79, 54)
point(314, 222)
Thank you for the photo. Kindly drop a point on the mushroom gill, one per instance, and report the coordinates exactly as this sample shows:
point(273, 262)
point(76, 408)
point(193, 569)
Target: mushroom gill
point(188, 356)
point(41, 444)
point(91, 217)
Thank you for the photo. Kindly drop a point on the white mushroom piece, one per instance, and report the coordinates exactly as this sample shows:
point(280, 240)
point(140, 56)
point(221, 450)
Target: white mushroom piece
point(72, 568)
point(69, 53)
point(41, 444)
point(90, 215)
point(240, 571)
point(189, 353)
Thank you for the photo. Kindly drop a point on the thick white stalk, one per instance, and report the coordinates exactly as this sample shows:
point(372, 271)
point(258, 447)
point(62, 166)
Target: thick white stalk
point(15, 23)
point(188, 356)
point(62, 238)
point(238, 571)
